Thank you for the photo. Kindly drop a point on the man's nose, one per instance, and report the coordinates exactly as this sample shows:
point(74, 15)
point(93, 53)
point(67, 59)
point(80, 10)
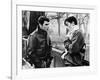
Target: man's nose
point(47, 28)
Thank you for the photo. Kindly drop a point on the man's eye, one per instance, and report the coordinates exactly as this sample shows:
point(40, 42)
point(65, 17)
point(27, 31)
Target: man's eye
point(66, 24)
point(46, 24)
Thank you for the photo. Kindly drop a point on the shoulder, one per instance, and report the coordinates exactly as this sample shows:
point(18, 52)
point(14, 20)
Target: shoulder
point(34, 32)
point(77, 32)
point(33, 35)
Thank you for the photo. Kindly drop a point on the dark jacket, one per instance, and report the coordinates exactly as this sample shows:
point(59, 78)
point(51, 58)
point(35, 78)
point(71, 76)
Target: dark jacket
point(74, 48)
point(39, 44)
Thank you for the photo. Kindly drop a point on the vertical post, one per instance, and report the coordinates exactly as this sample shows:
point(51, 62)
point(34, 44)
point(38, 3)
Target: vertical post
point(58, 20)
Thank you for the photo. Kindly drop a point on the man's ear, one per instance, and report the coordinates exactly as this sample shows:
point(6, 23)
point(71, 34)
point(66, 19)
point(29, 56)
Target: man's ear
point(40, 25)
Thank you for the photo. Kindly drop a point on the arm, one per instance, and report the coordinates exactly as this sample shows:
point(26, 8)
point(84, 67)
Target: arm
point(50, 46)
point(74, 47)
point(67, 42)
point(49, 49)
point(32, 42)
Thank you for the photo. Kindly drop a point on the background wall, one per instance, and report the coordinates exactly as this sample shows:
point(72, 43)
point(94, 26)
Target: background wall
point(5, 37)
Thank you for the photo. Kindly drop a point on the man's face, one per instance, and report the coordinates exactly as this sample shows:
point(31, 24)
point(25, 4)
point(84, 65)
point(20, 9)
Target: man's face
point(45, 26)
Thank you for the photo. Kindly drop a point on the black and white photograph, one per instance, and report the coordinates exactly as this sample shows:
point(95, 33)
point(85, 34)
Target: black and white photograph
point(53, 39)
point(50, 40)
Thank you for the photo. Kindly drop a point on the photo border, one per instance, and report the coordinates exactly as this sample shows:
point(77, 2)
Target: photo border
point(14, 73)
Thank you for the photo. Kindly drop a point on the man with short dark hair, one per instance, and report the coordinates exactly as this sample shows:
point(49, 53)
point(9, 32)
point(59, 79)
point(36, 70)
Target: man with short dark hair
point(39, 44)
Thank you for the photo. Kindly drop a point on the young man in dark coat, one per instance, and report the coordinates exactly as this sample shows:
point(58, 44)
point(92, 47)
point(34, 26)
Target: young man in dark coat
point(39, 45)
point(74, 43)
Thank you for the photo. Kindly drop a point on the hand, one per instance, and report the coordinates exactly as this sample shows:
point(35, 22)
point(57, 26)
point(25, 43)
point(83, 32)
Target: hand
point(63, 56)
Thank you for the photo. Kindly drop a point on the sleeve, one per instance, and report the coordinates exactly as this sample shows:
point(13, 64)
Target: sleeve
point(50, 46)
point(74, 47)
point(67, 42)
point(32, 42)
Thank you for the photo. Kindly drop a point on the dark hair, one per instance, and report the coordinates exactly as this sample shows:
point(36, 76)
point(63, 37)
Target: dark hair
point(41, 19)
point(70, 20)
